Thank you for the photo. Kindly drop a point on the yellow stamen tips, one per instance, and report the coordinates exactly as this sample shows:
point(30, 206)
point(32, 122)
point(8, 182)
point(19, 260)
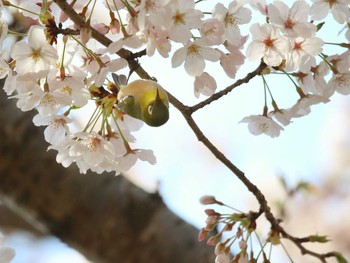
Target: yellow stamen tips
point(58, 123)
point(36, 55)
point(230, 20)
point(92, 144)
point(179, 18)
point(269, 42)
point(289, 23)
point(332, 2)
point(193, 50)
point(67, 90)
point(47, 100)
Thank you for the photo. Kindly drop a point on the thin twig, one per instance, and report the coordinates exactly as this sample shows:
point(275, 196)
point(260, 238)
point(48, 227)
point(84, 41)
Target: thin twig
point(227, 90)
point(187, 112)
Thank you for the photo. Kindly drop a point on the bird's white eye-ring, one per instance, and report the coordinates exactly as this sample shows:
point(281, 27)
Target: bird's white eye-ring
point(150, 109)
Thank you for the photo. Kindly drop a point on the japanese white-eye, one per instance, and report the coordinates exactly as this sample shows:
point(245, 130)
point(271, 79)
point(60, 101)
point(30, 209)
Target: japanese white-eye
point(145, 100)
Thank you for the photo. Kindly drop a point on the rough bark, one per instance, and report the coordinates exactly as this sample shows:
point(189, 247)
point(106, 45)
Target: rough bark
point(104, 216)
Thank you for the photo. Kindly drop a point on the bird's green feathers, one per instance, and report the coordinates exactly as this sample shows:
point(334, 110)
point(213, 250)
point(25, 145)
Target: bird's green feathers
point(145, 100)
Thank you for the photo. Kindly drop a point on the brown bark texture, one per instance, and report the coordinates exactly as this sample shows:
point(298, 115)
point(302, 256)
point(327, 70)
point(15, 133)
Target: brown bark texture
point(103, 216)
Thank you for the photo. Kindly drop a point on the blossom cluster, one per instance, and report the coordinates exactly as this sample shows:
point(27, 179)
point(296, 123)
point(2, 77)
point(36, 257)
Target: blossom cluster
point(288, 44)
point(236, 228)
point(59, 69)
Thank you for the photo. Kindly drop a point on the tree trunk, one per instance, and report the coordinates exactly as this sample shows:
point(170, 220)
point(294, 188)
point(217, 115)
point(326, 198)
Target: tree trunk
point(103, 216)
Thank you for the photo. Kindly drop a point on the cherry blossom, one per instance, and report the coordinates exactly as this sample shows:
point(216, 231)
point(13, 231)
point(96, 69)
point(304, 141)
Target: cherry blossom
point(33, 6)
point(341, 62)
point(49, 102)
point(56, 129)
point(63, 157)
point(338, 8)
point(232, 17)
point(156, 38)
point(85, 34)
point(347, 33)
point(302, 107)
point(3, 30)
point(258, 124)
point(340, 82)
point(293, 22)
point(282, 116)
point(222, 258)
point(204, 84)
point(114, 5)
point(90, 151)
point(194, 55)
point(302, 51)
point(212, 31)
point(267, 44)
point(243, 258)
point(27, 100)
point(152, 9)
point(231, 61)
point(100, 69)
point(4, 69)
point(19, 84)
point(180, 17)
point(72, 86)
point(313, 80)
point(35, 56)
point(129, 159)
point(128, 124)
point(259, 5)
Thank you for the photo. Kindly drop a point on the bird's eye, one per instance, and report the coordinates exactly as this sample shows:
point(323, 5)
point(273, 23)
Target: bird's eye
point(150, 109)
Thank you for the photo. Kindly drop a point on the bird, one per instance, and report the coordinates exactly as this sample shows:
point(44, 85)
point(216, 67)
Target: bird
point(145, 100)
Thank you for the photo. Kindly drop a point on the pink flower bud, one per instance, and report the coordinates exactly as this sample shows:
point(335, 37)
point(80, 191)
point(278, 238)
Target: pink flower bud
point(114, 26)
point(219, 248)
point(212, 241)
point(202, 234)
point(85, 34)
point(65, 39)
point(212, 220)
point(210, 212)
point(207, 200)
point(242, 244)
point(102, 28)
point(222, 258)
point(229, 226)
point(209, 227)
point(63, 17)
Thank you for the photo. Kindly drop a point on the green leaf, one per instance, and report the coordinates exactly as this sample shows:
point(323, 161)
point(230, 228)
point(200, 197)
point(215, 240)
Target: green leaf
point(319, 239)
point(304, 186)
point(320, 25)
point(340, 258)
